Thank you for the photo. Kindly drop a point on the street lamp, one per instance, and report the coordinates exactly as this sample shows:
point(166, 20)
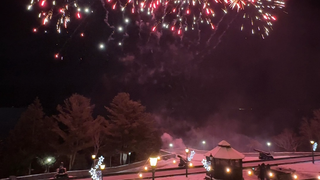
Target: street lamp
point(187, 152)
point(93, 156)
point(204, 144)
point(48, 163)
point(312, 143)
point(210, 172)
point(129, 156)
point(269, 144)
point(153, 163)
point(171, 147)
point(102, 167)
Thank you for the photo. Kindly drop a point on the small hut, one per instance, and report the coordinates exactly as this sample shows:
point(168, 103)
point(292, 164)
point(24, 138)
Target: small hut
point(226, 162)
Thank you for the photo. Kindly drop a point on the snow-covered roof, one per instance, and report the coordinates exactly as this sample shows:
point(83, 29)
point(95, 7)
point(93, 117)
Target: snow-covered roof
point(225, 151)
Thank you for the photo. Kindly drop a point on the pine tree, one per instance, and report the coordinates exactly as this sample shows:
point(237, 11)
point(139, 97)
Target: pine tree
point(73, 124)
point(28, 140)
point(133, 130)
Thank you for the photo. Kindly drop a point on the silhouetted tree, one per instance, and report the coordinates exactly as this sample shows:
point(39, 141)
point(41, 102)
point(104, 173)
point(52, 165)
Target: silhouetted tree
point(74, 125)
point(310, 129)
point(132, 128)
point(28, 140)
point(287, 140)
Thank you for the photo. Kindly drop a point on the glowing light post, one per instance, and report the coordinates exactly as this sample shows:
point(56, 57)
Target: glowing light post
point(93, 156)
point(48, 163)
point(153, 164)
point(170, 147)
point(187, 152)
point(269, 144)
point(312, 142)
point(313, 148)
point(204, 144)
point(102, 167)
point(129, 157)
point(95, 171)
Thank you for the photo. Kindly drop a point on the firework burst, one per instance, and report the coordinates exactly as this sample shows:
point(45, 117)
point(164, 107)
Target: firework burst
point(237, 4)
point(259, 16)
point(155, 17)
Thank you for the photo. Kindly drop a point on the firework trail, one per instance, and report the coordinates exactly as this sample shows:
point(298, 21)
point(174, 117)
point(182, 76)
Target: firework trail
point(209, 48)
point(220, 37)
point(217, 27)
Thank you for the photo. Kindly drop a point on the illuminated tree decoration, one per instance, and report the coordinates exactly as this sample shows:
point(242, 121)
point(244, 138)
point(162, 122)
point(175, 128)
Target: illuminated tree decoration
point(206, 164)
point(314, 146)
point(93, 172)
point(191, 155)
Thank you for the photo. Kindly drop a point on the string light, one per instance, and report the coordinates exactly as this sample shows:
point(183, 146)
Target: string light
point(93, 171)
point(206, 164)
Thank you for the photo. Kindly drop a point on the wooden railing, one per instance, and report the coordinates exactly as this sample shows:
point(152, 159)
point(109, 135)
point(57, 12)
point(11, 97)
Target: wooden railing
point(119, 169)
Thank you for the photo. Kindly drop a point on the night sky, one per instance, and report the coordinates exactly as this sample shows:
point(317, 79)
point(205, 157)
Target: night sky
point(274, 81)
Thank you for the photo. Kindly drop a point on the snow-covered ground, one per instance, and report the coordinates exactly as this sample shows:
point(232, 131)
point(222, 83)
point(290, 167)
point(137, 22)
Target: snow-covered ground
point(196, 160)
point(305, 168)
point(303, 171)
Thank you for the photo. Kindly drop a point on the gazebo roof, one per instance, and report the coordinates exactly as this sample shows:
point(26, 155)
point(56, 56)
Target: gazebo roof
point(224, 151)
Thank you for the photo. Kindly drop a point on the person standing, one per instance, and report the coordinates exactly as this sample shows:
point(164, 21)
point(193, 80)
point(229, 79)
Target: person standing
point(258, 171)
point(262, 171)
point(267, 172)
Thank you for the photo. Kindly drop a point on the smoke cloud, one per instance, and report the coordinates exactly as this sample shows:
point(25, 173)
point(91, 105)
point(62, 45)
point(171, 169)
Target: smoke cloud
point(167, 139)
point(217, 128)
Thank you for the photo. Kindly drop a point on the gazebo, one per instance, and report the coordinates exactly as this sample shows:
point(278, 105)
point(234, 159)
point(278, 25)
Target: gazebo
point(226, 162)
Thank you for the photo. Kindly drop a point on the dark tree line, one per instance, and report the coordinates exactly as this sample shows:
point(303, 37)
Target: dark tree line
point(74, 130)
point(309, 130)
